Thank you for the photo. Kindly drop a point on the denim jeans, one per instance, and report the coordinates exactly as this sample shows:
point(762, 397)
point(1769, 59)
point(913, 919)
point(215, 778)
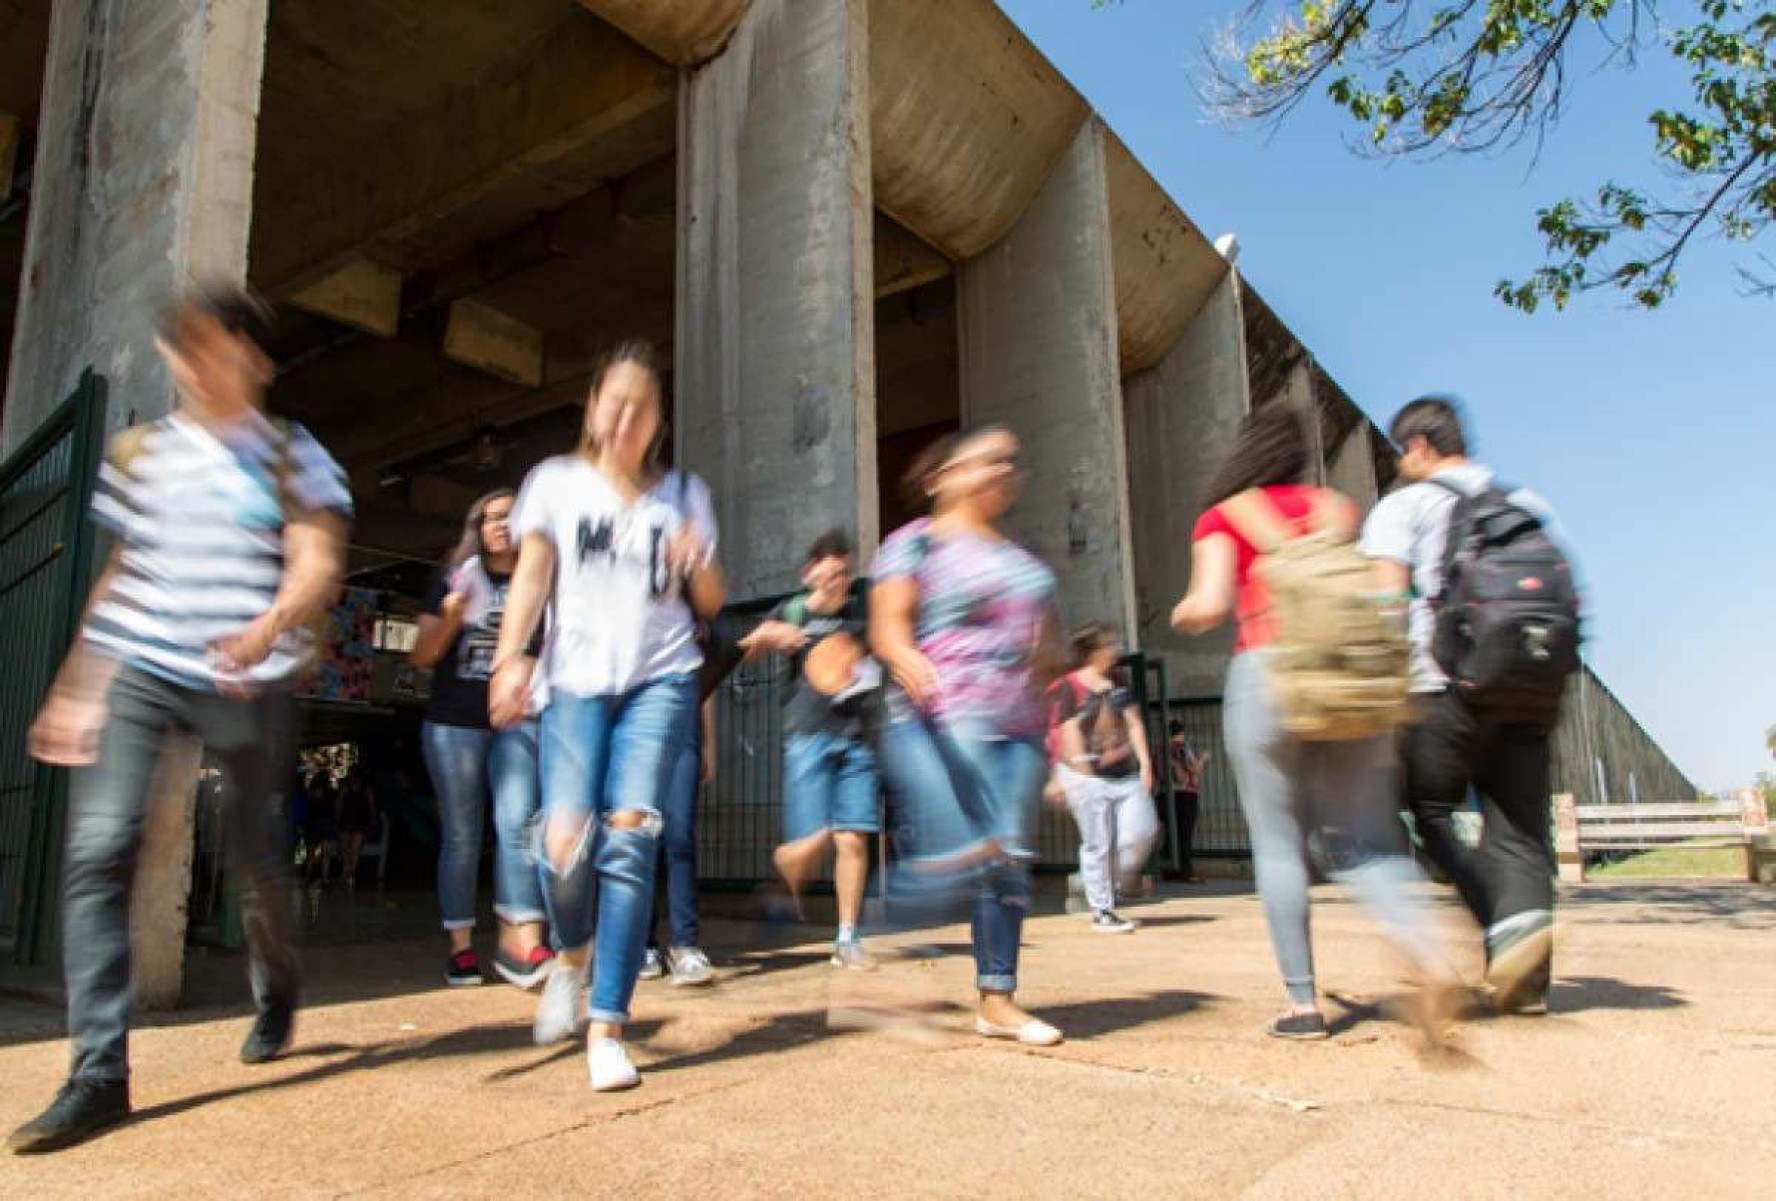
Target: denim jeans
point(463, 763)
point(675, 888)
point(829, 783)
point(247, 741)
point(965, 801)
point(1345, 791)
point(602, 755)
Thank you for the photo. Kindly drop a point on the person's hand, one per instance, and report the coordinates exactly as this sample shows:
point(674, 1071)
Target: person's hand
point(452, 607)
point(782, 637)
point(1181, 615)
point(916, 677)
point(1147, 780)
point(1052, 792)
point(686, 552)
point(234, 655)
point(508, 692)
point(66, 732)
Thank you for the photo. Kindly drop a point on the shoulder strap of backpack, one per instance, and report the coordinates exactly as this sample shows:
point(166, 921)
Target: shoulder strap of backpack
point(1258, 520)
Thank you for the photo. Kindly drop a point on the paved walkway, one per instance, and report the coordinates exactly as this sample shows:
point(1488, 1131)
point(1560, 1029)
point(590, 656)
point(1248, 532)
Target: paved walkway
point(1654, 1076)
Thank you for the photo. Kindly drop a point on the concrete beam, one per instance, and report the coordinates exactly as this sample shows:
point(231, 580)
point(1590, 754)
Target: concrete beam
point(1038, 354)
point(686, 33)
point(775, 298)
point(967, 119)
point(1183, 415)
point(362, 294)
point(904, 260)
point(488, 340)
point(9, 146)
point(523, 117)
point(1165, 268)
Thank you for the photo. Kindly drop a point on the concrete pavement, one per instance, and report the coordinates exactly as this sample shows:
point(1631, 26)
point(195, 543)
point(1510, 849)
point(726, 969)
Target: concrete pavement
point(1652, 1077)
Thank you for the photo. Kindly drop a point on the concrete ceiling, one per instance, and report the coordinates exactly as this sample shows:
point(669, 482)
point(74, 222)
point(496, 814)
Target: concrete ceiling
point(683, 32)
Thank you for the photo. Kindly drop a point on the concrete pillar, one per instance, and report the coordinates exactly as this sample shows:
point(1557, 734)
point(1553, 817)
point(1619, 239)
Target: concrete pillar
point(1569, 855)
point(1183, 415)
point(143, 181)
point(1037, 319)
point(1350, 467)
point(774, 358)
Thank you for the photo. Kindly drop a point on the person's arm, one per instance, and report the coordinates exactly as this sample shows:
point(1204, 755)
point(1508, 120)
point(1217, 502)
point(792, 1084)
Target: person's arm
point(1392, 577)
point(894, 605)
point(1073, 752)
point(437, 631)
point(1210, 601)
point(528, 592)
point(314, 568)
point(773, 637)
point(707, 717)
point(66, 730)
point(692, 553)
point(1050, 661)
point(1137, 732)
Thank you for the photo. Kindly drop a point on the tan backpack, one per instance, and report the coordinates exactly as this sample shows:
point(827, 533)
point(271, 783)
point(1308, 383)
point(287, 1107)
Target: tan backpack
point(1339, 666)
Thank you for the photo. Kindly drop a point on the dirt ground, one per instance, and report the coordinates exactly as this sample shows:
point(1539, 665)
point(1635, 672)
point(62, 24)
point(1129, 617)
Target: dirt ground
point(1653, 1076)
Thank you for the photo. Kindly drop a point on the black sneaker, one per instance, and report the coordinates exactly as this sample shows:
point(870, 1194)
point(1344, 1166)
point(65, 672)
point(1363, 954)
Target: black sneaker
point(1106, 921)
point(82, 1109)
point(1300, 1026)
point(464, 970)
point(270, 1034)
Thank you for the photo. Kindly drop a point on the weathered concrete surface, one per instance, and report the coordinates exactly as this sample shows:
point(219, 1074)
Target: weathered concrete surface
point(1182, 415)
point(685, 32)
point(775, 349)
point(138, 184)
point(576, 106)
point(1603, 755)
point(1648, 1079)
point(1165, 268)
point(967, 119)
point(162, 889)
point(1038, 350)
point(1346, 451)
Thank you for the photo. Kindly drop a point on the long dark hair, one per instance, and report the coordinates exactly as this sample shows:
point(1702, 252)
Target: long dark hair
point(641, 353)
point(471, 543)
point(915, 483)
point(1271, 449)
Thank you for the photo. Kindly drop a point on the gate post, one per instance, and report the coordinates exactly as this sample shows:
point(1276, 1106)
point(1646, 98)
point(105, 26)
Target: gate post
point(1569, 855)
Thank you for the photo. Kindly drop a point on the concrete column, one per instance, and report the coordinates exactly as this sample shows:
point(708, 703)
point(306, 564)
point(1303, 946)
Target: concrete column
point(775, 348)
point(1350, 467)
point(1183, 415)
point(143, 181)
point(1037, 318)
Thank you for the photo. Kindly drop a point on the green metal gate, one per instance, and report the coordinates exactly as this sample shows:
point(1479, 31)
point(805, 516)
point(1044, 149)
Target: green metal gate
point(46, 565)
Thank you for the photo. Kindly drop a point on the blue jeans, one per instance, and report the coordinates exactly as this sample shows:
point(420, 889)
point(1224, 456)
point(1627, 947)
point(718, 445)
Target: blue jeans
point(463, 762)
point(602, 755)
point(675, 892)
point(965, 804)
point(829, 783)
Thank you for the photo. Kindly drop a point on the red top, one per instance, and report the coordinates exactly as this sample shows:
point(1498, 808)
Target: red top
point(1295, 502)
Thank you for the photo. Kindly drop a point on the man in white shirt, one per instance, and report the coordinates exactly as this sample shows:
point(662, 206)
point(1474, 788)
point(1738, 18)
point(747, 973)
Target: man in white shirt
point(1506, 882)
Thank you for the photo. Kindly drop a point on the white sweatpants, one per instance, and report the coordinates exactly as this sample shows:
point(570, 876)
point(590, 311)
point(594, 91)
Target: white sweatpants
point(1117, 822)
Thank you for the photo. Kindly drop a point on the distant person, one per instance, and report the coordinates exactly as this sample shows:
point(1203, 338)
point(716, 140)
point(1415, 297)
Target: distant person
point(1492, 647)
point(1290, 785)
point(473, 765)
point(357, 822)
point(680, 954)
point(831, 792)
point(320, 832)
point(1187, 782)
point(229, 531)
point(1105, 771)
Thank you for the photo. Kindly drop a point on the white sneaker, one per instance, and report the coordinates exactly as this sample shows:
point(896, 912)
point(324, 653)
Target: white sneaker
point(690, 967)
point(652, 965)
point(610, 1067)
point(562, 1010)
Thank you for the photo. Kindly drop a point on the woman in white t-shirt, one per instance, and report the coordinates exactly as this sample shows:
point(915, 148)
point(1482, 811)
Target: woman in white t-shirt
point(626, 553)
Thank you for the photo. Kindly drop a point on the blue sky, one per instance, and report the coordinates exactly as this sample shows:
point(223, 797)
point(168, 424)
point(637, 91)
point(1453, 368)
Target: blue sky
point(1653, 434)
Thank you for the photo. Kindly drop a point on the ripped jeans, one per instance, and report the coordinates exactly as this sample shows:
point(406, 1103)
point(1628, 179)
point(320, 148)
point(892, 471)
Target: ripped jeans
point(964, 801)
point(600, 756)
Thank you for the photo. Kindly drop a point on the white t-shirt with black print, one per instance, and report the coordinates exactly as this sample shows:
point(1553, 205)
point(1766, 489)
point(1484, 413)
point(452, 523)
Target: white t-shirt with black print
point(620, 614)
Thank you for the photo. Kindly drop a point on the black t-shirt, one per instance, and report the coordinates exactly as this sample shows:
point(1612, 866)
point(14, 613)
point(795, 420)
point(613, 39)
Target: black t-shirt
point(1103, 726)
point(459, 680)
point(808, 710)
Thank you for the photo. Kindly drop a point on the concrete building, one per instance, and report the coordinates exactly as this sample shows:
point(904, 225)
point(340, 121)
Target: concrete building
point(854, 223)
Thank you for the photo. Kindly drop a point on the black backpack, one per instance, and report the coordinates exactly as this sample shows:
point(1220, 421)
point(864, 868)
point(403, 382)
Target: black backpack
point(1507, 631)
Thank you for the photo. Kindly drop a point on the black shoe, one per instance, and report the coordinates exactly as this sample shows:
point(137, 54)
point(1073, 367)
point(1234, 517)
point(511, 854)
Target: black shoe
point(1300, 1026)
point(464, 970)
point(82, 1109)
point(270, 1034)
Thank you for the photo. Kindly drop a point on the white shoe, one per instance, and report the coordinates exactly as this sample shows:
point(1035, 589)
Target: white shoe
point(562, 1010)
point(690, 967)
point(1032, 1033)
point(610, 1067)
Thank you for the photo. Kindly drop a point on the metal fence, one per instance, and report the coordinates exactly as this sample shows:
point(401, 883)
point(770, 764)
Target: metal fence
point(46, 560)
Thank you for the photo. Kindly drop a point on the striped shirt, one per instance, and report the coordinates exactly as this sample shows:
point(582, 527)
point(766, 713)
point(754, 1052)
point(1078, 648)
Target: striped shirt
point(199, 522)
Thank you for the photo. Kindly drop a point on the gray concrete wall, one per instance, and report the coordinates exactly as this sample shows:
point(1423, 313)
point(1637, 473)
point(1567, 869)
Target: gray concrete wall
point(143, 179)
point(776, 304)
point(1183, 415)
point(1038, 354)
